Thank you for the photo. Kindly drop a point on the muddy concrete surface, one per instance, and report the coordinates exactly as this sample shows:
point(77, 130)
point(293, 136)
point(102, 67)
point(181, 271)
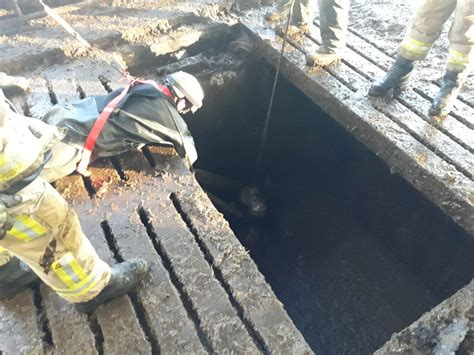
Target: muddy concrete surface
point(354, 252)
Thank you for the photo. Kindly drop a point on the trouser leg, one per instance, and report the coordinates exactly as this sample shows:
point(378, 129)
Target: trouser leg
point(303, 12)
point(461, 38)
point(425, 28)
point(333, 20)
point(48, 237)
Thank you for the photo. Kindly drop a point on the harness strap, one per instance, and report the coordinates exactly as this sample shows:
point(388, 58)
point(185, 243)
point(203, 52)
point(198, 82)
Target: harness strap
point(99, 124)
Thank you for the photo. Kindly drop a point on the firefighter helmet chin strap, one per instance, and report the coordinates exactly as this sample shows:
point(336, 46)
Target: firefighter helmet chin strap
point(182, 102)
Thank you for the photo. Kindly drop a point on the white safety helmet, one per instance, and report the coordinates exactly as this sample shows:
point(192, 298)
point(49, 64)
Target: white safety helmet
point(186, 86)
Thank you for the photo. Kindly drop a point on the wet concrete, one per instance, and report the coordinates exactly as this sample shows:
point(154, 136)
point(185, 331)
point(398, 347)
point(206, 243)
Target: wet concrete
point(448, 328)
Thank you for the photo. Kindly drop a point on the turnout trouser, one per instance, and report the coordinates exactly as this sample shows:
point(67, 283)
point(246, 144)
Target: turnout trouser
point(333, 16)
point(427, 25)
point(48, 237)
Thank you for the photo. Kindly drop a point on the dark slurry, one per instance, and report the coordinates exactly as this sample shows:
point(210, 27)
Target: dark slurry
point(354, 252)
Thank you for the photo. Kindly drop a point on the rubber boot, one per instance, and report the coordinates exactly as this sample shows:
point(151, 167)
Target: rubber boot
point(15, 276)
point(444, 100)
point(396, 78)
point(123, 279)
point(322, 58)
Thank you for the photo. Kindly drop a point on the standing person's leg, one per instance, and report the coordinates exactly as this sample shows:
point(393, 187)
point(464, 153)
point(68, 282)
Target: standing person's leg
point(303, 13)
point(333, 21)
point(424, 29)
point(47, 236)
point(460, 58)
point(302, 17)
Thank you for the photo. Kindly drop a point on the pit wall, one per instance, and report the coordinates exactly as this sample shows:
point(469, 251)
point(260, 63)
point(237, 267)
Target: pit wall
point(227, 132)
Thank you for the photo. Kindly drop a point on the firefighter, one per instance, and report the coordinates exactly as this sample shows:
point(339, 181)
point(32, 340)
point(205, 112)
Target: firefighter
point(333, 18)
point(146, 116)
point(40, 235)
point(425, 28)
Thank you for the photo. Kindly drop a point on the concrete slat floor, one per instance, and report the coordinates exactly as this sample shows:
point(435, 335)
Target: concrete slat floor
point(208, 318)
point(198, 298)
point(192, 302)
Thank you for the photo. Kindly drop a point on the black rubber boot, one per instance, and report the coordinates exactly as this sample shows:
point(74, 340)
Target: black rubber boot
point(396, 78)
point(444, 100)
point(15, 276)
point(123, 279)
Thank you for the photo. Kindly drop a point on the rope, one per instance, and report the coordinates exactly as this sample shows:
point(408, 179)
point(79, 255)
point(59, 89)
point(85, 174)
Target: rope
point(270, 104)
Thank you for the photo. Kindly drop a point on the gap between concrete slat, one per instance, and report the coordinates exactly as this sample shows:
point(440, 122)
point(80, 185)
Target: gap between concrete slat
point(166, 261)
point(260, 342)
point(42, 317)
point(136, 303)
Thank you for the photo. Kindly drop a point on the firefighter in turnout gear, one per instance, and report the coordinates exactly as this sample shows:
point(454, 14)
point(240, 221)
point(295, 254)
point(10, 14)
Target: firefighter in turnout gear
point(425, 28)
point(40, 235)
point(150, 113)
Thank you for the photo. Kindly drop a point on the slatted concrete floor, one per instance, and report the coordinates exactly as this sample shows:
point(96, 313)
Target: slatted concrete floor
point(204, 293)
point(434, 155)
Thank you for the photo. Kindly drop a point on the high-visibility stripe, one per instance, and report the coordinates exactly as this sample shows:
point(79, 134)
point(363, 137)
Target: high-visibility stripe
point(77, 281)
point(9, 168)
point(27, 229)
point(415, 46)
point(456, 57)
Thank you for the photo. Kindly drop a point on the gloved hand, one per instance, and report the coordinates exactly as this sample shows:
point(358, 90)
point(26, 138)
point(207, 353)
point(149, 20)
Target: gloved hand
point(6, 221)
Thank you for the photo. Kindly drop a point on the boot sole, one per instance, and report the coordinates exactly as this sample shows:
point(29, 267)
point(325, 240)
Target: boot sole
point(397, 90)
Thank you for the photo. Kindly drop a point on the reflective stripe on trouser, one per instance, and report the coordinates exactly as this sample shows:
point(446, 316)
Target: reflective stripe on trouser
point(427, 25)
point(48, 237)
point(461, 38)
point(10, 168)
